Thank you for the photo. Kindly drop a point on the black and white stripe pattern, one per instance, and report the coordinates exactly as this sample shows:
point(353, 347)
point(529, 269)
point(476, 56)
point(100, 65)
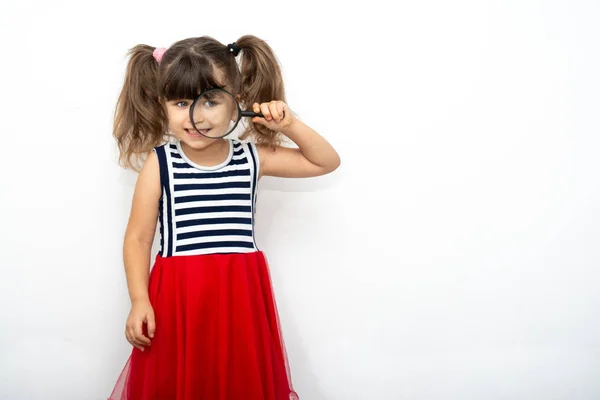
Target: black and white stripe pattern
point(207, 210)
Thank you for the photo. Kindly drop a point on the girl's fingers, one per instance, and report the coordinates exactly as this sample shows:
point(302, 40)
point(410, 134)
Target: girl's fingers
point(142, 340)
point(274, 112)
point(138, 335)
point(264, 109)
point(131, 339)
point(151, 325)
point(281, 109)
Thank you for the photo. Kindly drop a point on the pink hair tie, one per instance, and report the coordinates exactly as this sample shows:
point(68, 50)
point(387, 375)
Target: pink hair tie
point(158, 53)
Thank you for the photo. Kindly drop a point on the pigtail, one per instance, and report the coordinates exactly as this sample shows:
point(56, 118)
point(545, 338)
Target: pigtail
point(261, 82)
point(140, 122)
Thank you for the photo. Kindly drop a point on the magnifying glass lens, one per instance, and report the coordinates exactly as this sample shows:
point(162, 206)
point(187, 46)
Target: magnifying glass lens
point(215, 113)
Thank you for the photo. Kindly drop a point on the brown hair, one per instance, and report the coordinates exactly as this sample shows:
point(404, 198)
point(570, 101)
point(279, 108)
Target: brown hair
point(188, 67)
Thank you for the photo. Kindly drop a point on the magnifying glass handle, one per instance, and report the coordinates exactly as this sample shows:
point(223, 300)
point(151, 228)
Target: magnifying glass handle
point(253, 114)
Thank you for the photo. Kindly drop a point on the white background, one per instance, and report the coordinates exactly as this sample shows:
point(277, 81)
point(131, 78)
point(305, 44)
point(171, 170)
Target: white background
point(454, 254)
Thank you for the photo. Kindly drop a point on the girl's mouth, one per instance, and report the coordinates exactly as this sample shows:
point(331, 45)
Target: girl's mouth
point(193, 132)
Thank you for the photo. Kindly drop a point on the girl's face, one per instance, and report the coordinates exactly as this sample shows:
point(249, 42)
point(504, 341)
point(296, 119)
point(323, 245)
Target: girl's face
point(209, 114)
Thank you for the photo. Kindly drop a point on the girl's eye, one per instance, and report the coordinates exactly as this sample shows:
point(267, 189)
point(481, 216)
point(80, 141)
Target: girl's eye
point(181, 102)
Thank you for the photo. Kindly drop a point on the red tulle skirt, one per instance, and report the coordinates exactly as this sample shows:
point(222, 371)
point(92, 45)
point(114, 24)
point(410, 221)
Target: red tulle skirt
point(217, 333)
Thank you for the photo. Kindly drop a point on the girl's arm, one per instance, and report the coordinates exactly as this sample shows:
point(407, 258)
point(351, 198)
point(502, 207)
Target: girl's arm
point(314, 155)
point(141, 229)
point(136, 251)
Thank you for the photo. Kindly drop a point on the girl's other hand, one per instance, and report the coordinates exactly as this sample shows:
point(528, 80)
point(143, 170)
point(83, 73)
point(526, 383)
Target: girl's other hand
point(141, 312)
point(278, 116)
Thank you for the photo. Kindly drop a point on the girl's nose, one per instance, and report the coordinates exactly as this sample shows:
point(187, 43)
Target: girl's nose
point(197, 122)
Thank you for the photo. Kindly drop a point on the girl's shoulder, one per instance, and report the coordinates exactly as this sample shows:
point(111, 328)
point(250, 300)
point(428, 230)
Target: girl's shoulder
point(244, 142)
point(161, 146)
point(165, 145)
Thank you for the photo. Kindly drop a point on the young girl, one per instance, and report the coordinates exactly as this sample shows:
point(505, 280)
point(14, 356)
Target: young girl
point(204, 322)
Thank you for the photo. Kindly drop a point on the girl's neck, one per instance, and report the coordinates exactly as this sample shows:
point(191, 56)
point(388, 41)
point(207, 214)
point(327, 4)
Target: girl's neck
point(209, 156)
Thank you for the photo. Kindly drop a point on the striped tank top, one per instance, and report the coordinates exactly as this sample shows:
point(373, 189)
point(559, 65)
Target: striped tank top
point(207, 210)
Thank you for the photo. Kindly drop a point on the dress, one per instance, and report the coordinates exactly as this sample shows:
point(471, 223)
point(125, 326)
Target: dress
point(217, 328)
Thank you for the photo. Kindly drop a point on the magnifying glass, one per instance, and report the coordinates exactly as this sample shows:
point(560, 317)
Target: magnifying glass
point(215, 113)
